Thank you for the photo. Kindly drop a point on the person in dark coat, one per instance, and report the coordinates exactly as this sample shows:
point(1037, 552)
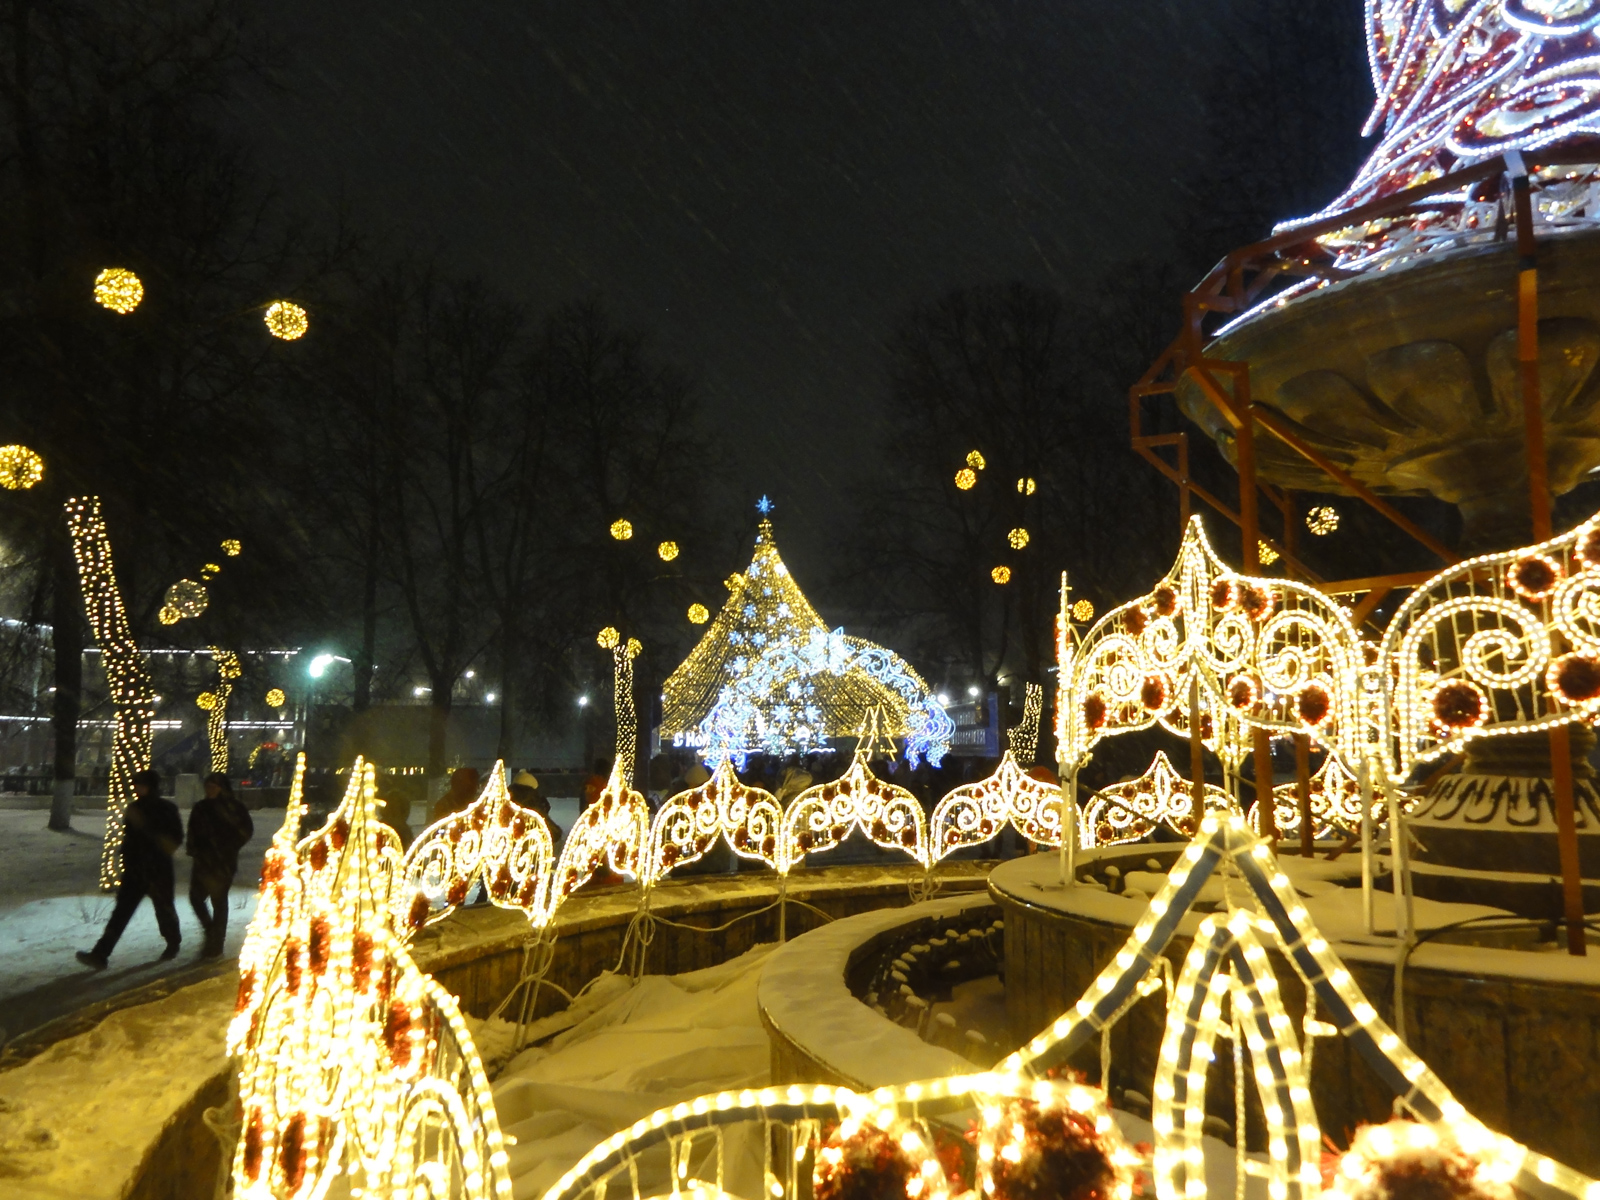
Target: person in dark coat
point(152, 833)
point(219, 827)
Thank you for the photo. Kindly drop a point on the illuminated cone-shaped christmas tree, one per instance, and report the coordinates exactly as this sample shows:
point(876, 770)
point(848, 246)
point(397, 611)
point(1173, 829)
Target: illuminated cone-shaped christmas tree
point(768, 675)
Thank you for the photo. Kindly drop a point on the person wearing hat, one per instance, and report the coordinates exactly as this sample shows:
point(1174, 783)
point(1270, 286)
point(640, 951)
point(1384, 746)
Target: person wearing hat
point(152, 833)
point(525, 791)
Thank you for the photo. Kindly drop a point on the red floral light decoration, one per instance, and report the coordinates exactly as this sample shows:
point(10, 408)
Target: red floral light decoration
point(1533, 576)
point(860, 1160)
point(1224, 594)
point(1060, 1143)
point(1408, 1160)
point(1459, 704)
point(1153, 693)
point(1314, 704)
point(1094, 710)
point(1243, 692)
point(1166, 600)
point(1574, 679)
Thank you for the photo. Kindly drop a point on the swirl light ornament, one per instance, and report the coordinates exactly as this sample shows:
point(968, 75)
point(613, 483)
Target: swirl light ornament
point(688, 826)
point(1272, 654)
point(975, 813)
point(351, 1061)
point(1132, 810)
point(768, 675)
point(823, 816)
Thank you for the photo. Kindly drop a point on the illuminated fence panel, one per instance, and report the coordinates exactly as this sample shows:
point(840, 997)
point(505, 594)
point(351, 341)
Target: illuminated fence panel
point(132, 699)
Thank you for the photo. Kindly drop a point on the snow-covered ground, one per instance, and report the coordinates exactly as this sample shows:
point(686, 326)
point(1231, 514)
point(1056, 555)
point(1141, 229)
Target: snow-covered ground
point(50, 907)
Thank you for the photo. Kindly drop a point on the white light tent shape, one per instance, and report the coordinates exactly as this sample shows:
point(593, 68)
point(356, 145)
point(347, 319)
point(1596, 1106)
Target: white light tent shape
point(1230, 942)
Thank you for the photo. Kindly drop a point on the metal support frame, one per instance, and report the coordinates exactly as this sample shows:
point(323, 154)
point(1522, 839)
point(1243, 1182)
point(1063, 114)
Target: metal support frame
point(1234, 285)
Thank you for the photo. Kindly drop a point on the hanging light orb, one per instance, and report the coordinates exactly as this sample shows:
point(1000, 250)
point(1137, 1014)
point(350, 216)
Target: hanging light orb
point(976, 461)
point(118, 289)
point(1018, 538)
point(622, 529)
point(20, 468)
point(1266, 554)
point(966, 479)
point(210, 569)
point(231, 547)
point(634, 646)
point(608, 638)
point(1001, 574)
point(186, 598)
point(1027, 485)
point(206, 700)
point(286, 320)
point(668, 551)
point(1082, 611)
point(1322, 520)
point(276, 698)
point(169, 615)
point(699, 614)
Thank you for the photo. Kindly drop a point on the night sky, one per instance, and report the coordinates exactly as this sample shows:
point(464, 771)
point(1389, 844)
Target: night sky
point(764, 185)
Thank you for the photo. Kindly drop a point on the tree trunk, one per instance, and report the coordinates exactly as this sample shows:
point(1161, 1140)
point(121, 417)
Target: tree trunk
point(438, 727)
point(67, 640)
point(508, 691)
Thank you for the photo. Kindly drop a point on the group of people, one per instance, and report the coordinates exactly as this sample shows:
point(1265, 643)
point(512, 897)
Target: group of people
point(219, 827)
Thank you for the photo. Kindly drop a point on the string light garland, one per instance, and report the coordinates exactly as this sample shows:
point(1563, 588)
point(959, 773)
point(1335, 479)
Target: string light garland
point(1027, 486)
point(621, 529)
point(1018, 538)
point(698, 614)
point(966, 479)
point(351, 1061)
point(667, 551)
point(228, 671)
point(286, 320)
point(768, 675)
point(1024, 737)
point(975, 460)
point(1001, 574)
point(622, 657)
point(276, 698)
point(1322, 520)
point(118, 289)
point(132, 699)
point(20, 468)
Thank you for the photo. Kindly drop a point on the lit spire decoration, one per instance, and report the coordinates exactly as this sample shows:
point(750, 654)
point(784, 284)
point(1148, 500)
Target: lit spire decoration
point(132, 699)
point(1458, 84)
point(351, 1060)
point(769, 676)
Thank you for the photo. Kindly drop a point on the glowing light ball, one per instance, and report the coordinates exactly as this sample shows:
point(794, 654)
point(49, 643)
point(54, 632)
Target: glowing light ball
point(966, 479)
point(1027, 486)
point(286, 320)
point(667, 551)
point(1001, 574)
point(1082, 610)
point(976, 461)
point(231, 547)
point(186, 598)
point(608, 638)
point(699, 614)
point(20, 468)
point(118, 289)
point(1018, 538)
point(622, 529)
point(1266, 554)
point(1322, 520)
point(206, 700)
point(276, 698)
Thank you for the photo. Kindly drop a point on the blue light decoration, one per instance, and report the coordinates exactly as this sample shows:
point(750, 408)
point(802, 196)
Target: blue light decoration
point(769, 676)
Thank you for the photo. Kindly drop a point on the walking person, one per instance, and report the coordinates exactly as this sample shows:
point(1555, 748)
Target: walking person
point(219, 827)
point(152, 833)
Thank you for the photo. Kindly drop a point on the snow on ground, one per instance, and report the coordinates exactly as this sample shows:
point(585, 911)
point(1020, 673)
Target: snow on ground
point(637, 1048)
point(51, 906)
